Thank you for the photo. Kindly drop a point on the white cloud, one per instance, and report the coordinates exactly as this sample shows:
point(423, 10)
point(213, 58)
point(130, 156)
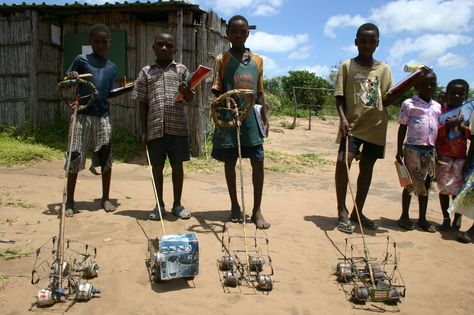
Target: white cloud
point(428, 47)
point(269, 65)
point(350, 50)
point(231, 7)
point(319, 70)
point(265, 10)
point(452, 61)
point(341, 21)
point(450, 16)
point(264, 42)
point(301, 53)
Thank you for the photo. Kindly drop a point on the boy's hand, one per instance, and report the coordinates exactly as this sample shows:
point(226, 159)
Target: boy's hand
point(266, 128)
point(186, 91)
point(143, 138)
point(345, 127)
point(72, 75)
point(74, 104)
point(453, 121)
point(399, 157)
point(426, 70)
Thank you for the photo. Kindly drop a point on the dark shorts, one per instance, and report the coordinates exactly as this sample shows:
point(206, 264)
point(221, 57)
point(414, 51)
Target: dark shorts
point(230, 154)
point(175, 147)
point(369, 150)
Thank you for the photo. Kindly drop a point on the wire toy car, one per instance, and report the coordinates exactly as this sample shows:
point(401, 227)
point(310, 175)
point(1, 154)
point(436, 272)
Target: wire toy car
point(371, 279)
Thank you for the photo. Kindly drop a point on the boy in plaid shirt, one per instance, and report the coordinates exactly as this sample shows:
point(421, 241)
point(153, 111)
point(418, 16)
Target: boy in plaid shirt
point(164, 121)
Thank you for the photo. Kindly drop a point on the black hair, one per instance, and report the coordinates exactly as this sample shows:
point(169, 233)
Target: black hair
point(368, 27)
point(236, 18)
point(164, 33)
point(98, 28)
point(458, 82)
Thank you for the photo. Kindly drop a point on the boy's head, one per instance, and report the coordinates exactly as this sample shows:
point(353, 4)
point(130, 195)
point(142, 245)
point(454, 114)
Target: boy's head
point(426, 85)
point(367, 39)
point(456, 92)
point(99, 39)
point(238, 31)
point(164, 46)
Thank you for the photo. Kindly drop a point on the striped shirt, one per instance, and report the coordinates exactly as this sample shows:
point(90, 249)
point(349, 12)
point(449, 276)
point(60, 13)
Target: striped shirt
point(158, 86)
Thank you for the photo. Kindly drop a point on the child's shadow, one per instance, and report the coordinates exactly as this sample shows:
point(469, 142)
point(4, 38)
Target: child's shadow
point(95, 205)
point(322, 222)
point(330, 223)
point(213, 215)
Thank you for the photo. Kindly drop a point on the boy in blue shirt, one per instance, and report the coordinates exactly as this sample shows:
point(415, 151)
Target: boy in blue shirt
point(93, 123)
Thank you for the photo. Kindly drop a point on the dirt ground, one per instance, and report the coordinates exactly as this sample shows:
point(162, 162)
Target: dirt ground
point(304, 244)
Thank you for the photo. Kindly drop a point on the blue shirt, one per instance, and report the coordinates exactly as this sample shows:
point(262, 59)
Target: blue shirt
point(103, 77)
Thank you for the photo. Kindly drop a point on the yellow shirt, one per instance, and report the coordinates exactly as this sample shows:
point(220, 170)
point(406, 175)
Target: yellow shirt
point(363, 89)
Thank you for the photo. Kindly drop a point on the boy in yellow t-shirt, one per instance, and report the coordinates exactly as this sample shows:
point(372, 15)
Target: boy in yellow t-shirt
point(361, 85)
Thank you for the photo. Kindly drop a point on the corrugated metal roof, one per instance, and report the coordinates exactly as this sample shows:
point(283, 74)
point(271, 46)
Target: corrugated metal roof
point(107, 5)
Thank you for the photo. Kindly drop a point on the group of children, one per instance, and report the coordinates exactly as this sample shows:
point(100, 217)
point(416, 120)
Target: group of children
point(164, 123)
point(432, 139)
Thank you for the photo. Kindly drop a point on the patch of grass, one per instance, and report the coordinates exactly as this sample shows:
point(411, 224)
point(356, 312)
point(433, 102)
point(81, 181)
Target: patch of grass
point(15, 150)
point(288, 125)
point(313, 159)
point(30, 144)
point(201, 164)
point(15, 252)
point(293, 163)
point(283, 169)
point(3, 278)
point(18, 203)
point(125, 146)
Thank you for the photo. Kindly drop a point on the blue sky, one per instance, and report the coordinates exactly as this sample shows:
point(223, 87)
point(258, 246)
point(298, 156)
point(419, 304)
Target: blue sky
point(315, 35)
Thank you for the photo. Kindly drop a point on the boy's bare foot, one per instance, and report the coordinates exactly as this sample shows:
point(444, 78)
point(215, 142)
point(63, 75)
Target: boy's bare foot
point(236, 215)
point(108, 206)
point(259, 221)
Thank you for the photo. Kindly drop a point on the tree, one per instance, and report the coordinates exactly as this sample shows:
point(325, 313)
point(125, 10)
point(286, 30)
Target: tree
point(304, 78)
point(274, 86)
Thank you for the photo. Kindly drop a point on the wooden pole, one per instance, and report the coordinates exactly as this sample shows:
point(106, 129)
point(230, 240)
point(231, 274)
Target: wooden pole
point(179, 37)
point(33, 67)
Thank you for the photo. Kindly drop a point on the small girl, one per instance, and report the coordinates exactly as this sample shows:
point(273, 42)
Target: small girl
point(418, 121)
point(451, 146)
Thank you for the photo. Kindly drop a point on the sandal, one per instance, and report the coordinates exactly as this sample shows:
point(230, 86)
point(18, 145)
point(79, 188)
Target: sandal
point(180, 212)
point(155, 216)
point(446, 226)
point(366, 222)
point(405, 224)
point(426, 226)
point(464, 237)
point(347, 228)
